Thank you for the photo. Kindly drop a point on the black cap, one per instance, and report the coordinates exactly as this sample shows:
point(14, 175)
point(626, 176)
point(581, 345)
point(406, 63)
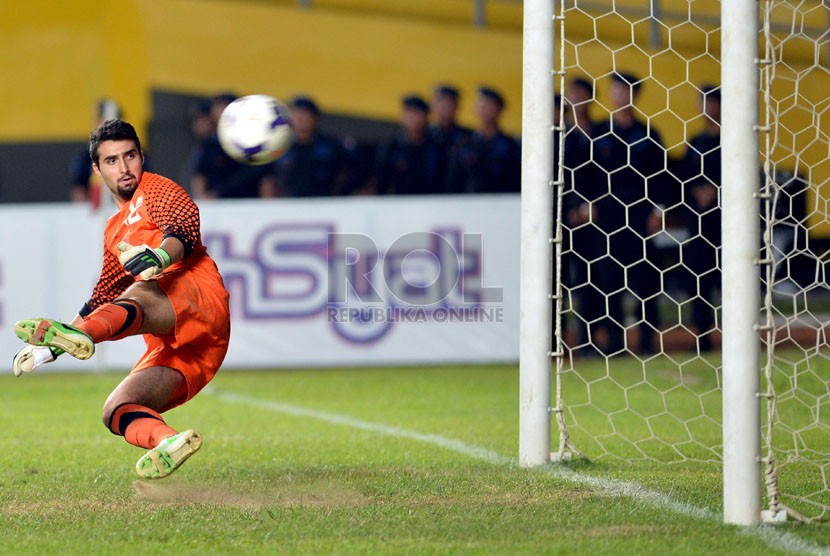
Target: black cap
point(710, 92)
point(584, 84)
point(627, 79)
point(447, 91)
point(305, 103)
point(492, 94)
point(200, 108)
point(225, 97)
point(415, 102)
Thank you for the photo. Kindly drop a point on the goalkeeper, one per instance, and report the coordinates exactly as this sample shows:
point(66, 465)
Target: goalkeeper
point(157, 280)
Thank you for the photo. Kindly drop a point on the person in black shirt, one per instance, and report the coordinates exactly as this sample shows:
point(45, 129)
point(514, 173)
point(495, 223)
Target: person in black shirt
point(445, 129)
point(632, 159)
point(215, 174)
point(315, 164)
point(84, 185)
point(410, 163)
point(583, 242)
point(701, 252)
point(490, 160)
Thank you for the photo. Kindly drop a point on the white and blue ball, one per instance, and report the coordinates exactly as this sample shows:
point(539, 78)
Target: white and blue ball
point(255, 129)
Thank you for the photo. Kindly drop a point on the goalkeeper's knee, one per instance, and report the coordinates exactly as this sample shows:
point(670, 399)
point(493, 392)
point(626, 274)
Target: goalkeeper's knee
point(121, 417)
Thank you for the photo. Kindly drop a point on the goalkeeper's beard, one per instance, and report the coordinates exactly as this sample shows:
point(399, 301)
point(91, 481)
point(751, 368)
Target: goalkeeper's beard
point(126, 191)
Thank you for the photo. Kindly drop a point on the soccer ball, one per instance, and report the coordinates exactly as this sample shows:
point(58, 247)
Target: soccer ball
point(255, 129)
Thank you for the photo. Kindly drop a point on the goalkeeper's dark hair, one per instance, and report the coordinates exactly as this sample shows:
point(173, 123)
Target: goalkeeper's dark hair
point(111, 130)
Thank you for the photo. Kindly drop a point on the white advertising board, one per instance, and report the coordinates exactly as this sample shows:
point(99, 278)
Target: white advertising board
point(313, 282)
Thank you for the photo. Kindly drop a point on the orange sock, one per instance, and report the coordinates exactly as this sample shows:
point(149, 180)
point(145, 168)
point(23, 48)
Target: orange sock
point(139, 425)
point(113, 321)
point(147, 433)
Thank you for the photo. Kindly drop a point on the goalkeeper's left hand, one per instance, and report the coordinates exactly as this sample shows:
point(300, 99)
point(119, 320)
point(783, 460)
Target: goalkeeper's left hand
point(142, 260)
point(31, 357)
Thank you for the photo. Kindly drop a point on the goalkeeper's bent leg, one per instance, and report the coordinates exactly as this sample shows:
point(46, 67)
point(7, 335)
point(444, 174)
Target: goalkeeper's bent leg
point(139, 425)
point(114, 321)
point(143, 427)
point(54, 334)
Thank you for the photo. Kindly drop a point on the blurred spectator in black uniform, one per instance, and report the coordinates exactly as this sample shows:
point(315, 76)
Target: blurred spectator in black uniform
point(445, 129)
point(793, 259)
point(701, 251)
point(85, 186)
point(631, 188)
point(202, 123)
point(315, 165)
point(201, 126)
point(410, 163)
point(489, 161)
point(215, 174)
point(583, 241)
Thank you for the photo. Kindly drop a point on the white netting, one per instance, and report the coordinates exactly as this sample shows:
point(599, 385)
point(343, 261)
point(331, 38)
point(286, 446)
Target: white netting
point(796, 152)
point(639, 210)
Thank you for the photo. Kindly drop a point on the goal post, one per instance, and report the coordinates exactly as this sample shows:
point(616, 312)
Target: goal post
point(692, 176)
point(740, 261)
point(536, 230)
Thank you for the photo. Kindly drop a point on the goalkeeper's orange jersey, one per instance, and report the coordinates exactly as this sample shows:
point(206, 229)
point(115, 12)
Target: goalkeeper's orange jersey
point(161, 208)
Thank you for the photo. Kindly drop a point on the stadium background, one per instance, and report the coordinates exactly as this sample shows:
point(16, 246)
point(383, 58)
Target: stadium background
point(356, 57)
point(154, 57)
point(151, 56)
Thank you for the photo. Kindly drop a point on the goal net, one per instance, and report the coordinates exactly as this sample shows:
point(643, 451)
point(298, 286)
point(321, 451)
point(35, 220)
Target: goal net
point(637, 259)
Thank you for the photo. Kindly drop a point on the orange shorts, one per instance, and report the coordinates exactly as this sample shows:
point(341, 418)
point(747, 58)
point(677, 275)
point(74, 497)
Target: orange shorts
point(200, 339)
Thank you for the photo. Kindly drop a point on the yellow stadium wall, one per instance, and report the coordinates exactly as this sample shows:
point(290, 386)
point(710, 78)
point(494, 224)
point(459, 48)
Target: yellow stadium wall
point(357, 57)
point(59, 58)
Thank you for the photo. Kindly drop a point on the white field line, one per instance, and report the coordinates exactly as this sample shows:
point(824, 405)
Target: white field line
point(769, 534)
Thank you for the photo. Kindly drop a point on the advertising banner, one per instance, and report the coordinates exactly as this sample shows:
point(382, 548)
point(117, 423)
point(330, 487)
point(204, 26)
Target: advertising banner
point(313, 282)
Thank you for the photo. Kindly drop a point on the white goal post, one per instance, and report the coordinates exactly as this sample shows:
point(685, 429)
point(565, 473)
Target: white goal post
point(537, 219)
point(740, 262)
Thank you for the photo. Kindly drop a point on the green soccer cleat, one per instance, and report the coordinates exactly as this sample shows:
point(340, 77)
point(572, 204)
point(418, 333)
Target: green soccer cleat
point(54, 334)
point(168, 456)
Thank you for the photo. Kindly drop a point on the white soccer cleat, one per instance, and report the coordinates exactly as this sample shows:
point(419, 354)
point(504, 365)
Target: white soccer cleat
point(31, 357)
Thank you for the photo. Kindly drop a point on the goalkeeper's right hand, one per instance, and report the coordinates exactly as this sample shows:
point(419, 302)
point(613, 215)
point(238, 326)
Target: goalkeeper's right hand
point(142, 260)
point(31, 357)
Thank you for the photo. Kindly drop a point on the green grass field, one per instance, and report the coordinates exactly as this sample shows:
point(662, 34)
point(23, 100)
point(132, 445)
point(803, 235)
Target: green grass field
point(378, 461)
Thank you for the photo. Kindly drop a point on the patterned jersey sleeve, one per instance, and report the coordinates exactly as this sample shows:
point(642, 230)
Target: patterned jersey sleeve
point(112, 283)
point(174, 212)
